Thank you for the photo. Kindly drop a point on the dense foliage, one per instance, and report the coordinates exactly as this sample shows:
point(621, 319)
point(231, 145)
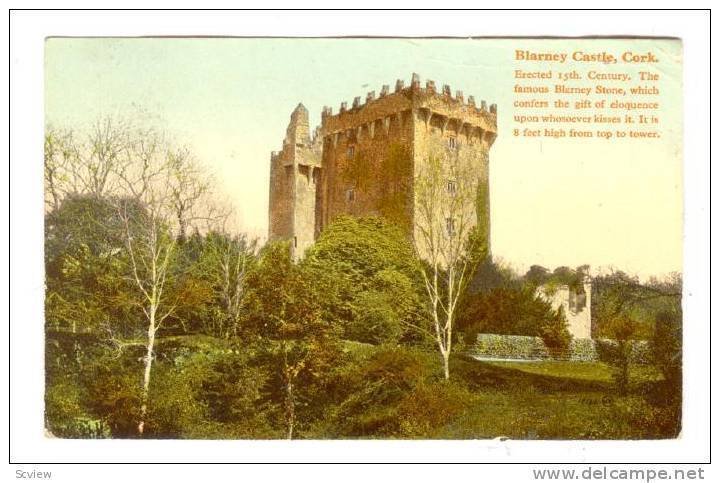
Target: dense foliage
point(371, 277)
point(160, 323)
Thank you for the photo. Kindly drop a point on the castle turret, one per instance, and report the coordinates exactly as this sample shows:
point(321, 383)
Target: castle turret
point(298, 131)
point(294, 175)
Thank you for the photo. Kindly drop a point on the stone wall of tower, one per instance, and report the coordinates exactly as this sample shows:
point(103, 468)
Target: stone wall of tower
point(367, 158)
point(295, 173)
point(447, 126)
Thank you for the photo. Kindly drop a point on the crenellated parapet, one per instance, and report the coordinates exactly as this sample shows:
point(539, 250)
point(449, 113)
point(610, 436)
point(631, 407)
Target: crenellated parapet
point(426, 102)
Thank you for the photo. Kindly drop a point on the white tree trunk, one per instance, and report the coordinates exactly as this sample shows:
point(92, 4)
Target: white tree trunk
point(446, 364)
point(148, 371)
point(290, 407)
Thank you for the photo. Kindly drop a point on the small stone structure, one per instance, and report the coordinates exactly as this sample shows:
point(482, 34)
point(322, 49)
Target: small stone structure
point(363, 159)
point(575, 303)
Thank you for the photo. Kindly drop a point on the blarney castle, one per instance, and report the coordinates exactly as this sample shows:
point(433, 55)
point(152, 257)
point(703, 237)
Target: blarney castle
point(363, 160)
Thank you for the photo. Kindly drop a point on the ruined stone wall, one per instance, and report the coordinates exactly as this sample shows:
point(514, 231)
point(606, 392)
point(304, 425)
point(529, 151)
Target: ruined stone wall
point(575, 304)
point(528, 348)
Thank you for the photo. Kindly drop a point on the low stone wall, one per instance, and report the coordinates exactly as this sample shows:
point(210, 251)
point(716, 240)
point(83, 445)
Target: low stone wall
point(527, 348)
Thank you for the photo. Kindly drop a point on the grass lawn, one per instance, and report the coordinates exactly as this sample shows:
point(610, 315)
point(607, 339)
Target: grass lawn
point(559, 400)
point(532, 400)
point(588, 371)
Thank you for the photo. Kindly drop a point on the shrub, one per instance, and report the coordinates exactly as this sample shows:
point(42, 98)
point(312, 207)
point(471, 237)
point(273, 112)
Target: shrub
point(65, 415)
point(370, 278)
point(429, 408)
point(509, 310)
point(374, 387)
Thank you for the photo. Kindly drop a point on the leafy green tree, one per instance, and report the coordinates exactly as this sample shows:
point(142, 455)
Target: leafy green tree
point(667, 346)
point(620, 294)
point(218, 274)
point(667, 352)
point(370, 275)
point(537, 275)
point(84, 266)
point(491, 274)
point(300, 345)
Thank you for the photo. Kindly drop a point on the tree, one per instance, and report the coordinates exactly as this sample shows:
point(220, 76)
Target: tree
point(283, 304)
point(86, 265)
point(618, 352)
point(371, 277)
point(537, 275)
point(60, 156)
point(151, 235)
point(619, 294)
point(120, 197)
point(667, 347)
point(223, 264)
point(446, 238)
point(150, 244)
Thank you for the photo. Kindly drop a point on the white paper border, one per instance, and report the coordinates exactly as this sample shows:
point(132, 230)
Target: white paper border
point(28, 30)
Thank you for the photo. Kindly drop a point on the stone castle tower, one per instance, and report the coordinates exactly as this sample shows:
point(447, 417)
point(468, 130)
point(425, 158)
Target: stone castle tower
point(364, 159)
point(294, 178)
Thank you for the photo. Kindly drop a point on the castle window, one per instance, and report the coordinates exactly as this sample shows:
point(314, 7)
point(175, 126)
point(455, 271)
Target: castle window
point(295, 241)
point(350, 152)
point(452, 143)
point(350, 195)
point(305, 171)
point(451, 186)
point(450, 226)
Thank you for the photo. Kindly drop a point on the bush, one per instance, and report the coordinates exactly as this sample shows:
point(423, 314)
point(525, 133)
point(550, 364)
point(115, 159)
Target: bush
point(509, 310)
point(373, 387)
point(65, 415)
point(429, 408)
point(173, 406)
point(375, 319)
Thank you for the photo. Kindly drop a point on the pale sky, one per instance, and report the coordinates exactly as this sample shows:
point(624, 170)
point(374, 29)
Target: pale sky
point(553, 202)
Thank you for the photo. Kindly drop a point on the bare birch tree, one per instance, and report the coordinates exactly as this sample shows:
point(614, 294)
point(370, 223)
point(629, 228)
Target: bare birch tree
point(102, 156)
point(228, 260)
point(60, 158)
point(148, 180)
point(446, 200)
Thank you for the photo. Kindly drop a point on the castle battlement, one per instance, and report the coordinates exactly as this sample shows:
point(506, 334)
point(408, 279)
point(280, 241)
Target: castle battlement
point(427, 101)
